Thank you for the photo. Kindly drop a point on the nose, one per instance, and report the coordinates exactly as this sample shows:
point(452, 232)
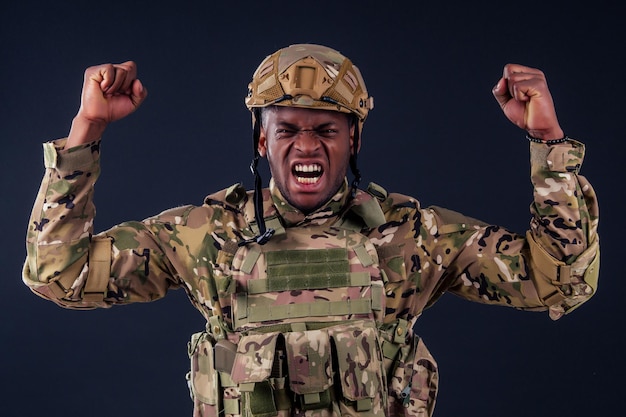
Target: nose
point(307, 141)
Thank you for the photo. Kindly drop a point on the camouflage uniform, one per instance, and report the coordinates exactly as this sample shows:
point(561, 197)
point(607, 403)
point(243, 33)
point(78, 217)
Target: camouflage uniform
point(318, 321)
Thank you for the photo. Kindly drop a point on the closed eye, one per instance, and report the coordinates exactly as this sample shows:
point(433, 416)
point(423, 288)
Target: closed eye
point(323, 131)
point(285, 133)
point(327, 133)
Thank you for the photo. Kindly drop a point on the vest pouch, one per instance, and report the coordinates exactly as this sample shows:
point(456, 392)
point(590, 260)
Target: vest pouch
point(310, 368)
point(414, 381)
point(224, 283)
point(202, 379)
point(360, 369)
point(252, 372)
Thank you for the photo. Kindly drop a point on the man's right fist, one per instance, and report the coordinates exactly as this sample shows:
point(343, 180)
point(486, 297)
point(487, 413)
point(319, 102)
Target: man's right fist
point(110, 92)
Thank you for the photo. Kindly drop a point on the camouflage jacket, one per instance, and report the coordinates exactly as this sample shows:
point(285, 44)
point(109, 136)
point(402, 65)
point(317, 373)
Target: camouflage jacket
point(423, 252)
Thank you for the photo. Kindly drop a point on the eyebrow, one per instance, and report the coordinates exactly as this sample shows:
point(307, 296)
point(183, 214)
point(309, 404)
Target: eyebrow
point(292, 126)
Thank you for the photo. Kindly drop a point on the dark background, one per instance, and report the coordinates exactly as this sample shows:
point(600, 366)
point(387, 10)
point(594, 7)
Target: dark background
point(436, 133)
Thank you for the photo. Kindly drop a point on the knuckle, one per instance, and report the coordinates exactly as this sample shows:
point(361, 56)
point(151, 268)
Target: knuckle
point(127, 66)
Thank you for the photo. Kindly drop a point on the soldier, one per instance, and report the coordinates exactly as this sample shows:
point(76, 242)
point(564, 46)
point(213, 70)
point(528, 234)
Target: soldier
point(311, 287)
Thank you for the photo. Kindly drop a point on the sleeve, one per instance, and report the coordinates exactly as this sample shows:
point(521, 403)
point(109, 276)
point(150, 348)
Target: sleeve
point(66, 262)
point(555, 265)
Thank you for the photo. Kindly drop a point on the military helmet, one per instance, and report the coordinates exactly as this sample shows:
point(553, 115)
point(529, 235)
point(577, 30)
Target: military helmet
point(309, 76)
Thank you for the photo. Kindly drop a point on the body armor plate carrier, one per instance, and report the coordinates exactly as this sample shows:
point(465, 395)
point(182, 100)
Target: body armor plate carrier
point(303, 332)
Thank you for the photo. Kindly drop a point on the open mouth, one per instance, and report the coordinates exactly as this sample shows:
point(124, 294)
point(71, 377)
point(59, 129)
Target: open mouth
point(307, 173)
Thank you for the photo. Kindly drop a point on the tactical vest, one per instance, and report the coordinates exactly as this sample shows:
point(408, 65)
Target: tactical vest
point(303, 330)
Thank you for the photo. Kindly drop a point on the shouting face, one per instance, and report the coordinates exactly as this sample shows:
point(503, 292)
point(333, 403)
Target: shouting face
point(308, 153)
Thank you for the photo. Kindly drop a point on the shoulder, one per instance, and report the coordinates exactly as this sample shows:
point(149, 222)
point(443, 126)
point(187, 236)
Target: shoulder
point(214, 206)
point(392, 202)
point(434, 218)
point(233, 197)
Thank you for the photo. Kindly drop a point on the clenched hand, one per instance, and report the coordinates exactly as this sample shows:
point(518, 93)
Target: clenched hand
point(110, 92)
point(525, 99)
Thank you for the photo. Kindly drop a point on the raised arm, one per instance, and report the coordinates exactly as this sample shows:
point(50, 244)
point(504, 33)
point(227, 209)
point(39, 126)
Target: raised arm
point(555, 264)
point(66, 262)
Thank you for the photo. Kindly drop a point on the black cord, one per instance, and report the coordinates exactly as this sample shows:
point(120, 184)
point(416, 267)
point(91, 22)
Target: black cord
point(353, 160)
point(264, 234)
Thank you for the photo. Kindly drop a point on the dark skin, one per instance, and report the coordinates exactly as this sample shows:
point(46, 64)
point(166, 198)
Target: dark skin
point(110, 92)
point(308, 153)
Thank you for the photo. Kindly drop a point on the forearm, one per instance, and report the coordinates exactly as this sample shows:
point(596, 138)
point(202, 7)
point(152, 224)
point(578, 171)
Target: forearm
point(562, 241)
point(67, 263)
point(565, 208)
point(84, 131)
point(61, 221)
point(552, 266)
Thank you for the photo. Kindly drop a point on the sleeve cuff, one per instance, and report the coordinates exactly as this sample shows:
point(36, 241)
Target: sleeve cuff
point(565, 157)
point(56, 157)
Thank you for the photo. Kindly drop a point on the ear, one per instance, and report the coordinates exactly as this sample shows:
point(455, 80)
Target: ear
point(262, 146)
point(352, 130)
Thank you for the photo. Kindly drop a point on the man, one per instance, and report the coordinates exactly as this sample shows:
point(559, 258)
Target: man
point(312, 286)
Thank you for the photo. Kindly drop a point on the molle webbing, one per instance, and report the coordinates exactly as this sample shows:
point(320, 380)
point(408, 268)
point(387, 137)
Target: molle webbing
point(301, 270)
point(317, 309)
point(336, 280)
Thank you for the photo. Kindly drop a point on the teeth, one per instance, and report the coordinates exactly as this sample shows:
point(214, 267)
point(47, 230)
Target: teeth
point(307, 180)
point(308, 168)
point(313, 171)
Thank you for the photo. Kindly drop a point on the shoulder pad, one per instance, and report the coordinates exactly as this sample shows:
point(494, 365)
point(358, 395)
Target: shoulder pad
point(394, 201)
point(367, 208)
point(234, 196)
point(388, 201)
point(377, 191)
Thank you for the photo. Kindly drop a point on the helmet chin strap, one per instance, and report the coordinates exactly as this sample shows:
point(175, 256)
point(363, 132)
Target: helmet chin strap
point(265, 234)
point(356, 173)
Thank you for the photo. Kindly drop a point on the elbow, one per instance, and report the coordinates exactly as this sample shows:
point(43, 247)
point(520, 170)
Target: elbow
point(59, 289)
point(564, 287)
point(583, 285)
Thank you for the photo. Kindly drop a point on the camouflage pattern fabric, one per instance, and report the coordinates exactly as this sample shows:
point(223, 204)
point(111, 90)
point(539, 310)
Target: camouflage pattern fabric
point(420, 254)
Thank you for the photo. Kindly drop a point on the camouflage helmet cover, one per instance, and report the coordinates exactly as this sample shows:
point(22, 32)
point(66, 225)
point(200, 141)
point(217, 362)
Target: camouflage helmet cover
point(310, 76)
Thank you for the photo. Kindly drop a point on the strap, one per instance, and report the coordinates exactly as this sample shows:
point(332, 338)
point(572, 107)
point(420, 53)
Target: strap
point(363, 255)
point(250, 260)
point(377, 297)
point(377, 191)
point(550, 273)
point(308, 282)
point(61, 285)
point(307, 257)
point(317, 309)
point(216, 326)
point(261, 400)
point(73, 158)
point(370, 212)
point(99, 270)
